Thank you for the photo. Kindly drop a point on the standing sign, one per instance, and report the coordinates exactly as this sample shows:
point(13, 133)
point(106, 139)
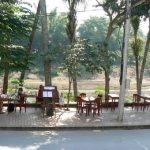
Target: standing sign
point(50, 95)
point(50, 92)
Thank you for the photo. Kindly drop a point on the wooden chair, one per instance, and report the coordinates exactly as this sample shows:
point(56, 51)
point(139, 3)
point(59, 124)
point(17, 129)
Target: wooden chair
point(140, 101)
point(1, 104)
point(81, 105)
point(110, 102)
point(4, 101)
point(39, 100)
point(96, 106)
point(20, 103)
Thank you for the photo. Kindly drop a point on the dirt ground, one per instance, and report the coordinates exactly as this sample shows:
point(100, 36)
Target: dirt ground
point(98, 80)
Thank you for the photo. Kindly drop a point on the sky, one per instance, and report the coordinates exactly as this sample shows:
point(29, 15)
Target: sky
point(84, 12)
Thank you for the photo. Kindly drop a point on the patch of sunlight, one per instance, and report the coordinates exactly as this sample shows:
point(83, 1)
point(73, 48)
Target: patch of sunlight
point(97, 131)
point(19, 148)
point(88, 120)
point(132, 116)
point(44, 133)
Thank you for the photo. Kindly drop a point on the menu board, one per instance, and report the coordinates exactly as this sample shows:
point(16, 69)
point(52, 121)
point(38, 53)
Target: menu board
point(50, 91)
point(47, 94)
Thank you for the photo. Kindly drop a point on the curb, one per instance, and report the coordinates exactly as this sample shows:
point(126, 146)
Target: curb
point(132, 127)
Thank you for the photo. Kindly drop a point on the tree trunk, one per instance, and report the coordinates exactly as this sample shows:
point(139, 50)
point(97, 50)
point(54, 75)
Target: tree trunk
point(137, 74)
point(125, 58)
point(107, 68)
point(136, 54)
point(75, 86)
point(28, 51)
point(69, 91)
point(5, 80)
point(47, 61)
point(107, 81)
point(47, 70)
point(144, 58)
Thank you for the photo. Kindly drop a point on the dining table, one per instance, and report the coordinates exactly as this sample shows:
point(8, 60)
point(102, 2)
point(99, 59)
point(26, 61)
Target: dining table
point(89, 102)
point(113, 98)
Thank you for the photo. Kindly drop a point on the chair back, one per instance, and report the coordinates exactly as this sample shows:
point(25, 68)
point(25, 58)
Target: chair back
point(22, 99)
point(78, 100)
point(137, 98)
point(98, 102)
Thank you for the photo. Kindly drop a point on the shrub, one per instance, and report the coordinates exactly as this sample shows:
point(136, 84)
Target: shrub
point(99, 90)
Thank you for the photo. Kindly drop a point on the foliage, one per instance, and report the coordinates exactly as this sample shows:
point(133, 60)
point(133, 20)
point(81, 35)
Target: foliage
point(137, 47)
point(95, 29)
point(14, 26)
point(66, 96)
point(73, 57)
point(99, 90)
point(97, 58)
point(140, 9)
point(58, 37)
point(57, 43)
point(135, 20)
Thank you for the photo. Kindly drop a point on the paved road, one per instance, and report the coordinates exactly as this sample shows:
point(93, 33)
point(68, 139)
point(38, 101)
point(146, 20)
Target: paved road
point(75, 140)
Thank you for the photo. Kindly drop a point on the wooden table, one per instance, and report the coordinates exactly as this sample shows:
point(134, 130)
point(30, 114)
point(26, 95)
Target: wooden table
point(114, 98)
point(89, 101)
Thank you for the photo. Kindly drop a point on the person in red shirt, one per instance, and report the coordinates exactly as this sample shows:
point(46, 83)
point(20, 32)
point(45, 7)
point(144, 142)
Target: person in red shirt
point(40, 93)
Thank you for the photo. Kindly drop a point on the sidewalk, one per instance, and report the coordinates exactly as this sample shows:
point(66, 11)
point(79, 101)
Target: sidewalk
point(33, 120)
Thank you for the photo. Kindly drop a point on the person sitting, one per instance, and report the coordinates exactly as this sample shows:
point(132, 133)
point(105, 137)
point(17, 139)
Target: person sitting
point(20, 99)
point(20, 95)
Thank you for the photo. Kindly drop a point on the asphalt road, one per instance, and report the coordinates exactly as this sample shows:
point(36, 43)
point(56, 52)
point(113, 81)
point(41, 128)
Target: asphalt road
point(76, 140)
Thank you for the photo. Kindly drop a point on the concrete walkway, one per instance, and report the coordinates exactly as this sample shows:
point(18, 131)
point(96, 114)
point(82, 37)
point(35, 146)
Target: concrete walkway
point(34, 120)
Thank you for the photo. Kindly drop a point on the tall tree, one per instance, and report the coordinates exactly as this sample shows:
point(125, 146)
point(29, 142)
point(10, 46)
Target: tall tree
point(13, 28)
point(115, 11)
point(141, 8)
point(71, 32)
point(47, 60)
point(29, 47)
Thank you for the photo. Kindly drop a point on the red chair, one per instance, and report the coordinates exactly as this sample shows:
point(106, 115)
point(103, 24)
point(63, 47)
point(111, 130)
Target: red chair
point(111, 101)
point(82, 105)
point(140, 102)
point(96, 106)
point(39, 100)
point(20, 103)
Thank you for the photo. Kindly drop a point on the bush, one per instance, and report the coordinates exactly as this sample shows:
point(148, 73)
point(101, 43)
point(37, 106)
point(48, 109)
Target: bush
point(99, 90)
point(66, 97)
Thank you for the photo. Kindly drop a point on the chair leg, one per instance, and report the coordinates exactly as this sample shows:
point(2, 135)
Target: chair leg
point(15, 108)
point(98, 111)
